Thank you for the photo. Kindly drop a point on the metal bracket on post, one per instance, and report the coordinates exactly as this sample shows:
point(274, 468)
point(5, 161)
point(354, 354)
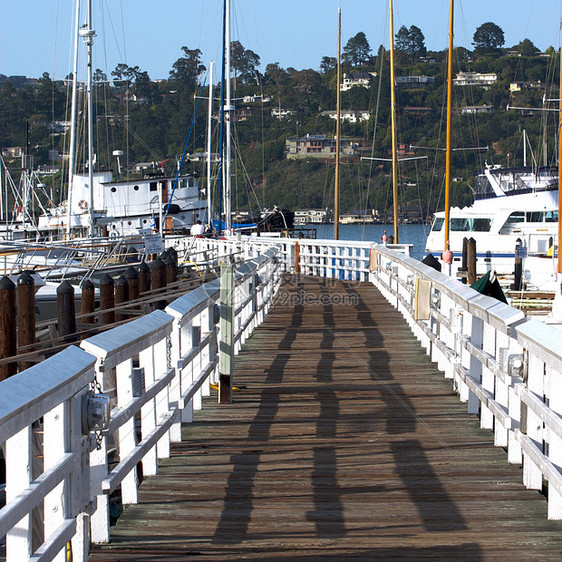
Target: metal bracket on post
point(226, 347)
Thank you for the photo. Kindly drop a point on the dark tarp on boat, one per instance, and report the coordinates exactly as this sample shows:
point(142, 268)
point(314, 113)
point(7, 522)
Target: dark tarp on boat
point(488, 285)
point(432, 261)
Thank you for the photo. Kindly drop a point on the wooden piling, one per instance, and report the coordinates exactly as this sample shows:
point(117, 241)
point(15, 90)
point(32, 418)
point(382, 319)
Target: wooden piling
point(121, 297)
point(464, 261)
point(8, 328)
point(88, 302)
point(471, 260)
point(144, 278)
point(158, 279)
point(171, 270)
point(133, 278)
point(107, 300)
point(297, 258)
point(157, 274)
point(517, 284)
point(65, 311)
point(26, 314)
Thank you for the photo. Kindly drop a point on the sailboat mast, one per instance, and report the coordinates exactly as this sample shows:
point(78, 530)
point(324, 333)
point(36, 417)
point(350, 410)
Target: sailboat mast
point(73, 110)
point(209, 122)
point(338, 112)
point(449, 113)
point(559, 263)
point(393, 127)
point(88, 35)
point(228, 119)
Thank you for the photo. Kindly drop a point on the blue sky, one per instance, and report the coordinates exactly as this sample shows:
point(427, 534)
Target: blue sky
point(35, 34)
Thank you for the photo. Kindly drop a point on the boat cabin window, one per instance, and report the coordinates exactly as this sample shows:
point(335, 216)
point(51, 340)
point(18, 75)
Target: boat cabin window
point(459, 225)
point(551, 216)
point(153, 186)
point(438, 224)
point(535, 217)
point(183, 182)
point(481, 225)
point(471, 224)
point(516, 216)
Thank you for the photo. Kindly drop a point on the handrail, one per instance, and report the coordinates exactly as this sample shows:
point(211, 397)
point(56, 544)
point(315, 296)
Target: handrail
point(155, 370)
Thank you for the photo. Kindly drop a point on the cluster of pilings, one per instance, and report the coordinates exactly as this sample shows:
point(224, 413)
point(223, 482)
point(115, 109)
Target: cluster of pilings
point(137, 291)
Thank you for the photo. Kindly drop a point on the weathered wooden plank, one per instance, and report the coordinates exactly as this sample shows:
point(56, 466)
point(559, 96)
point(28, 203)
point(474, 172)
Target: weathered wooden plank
point(344, 442)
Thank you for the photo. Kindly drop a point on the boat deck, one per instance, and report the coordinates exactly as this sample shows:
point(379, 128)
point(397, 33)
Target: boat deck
point(343, 442)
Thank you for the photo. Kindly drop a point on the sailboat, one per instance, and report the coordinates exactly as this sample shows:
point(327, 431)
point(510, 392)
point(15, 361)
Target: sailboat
point(515, 214)
point(274, 220)
point(99, 206)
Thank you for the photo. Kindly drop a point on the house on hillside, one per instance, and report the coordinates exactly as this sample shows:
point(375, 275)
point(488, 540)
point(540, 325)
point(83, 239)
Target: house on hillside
point(318, 146)
point(414, 80)
point(281, 113)
point(362, 79)
point(521, 86)
point(483, 80)
point(473, 109)
point(348, 115)
point(423, 110)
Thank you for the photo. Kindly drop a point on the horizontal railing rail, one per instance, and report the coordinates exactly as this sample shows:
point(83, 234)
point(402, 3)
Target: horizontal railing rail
point(154, 372)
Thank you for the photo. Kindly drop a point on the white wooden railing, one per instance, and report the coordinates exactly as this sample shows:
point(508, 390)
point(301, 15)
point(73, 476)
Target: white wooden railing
point(154, 371)
point(506, 367)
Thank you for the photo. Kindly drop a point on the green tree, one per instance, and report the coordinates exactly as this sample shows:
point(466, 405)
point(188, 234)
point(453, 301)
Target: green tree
point(328, 63)
point(488, 37)
point(244, 62)
point(188, 67)
point(402, 39)
point(527, 48)
point(417, 42)
point(357, 50)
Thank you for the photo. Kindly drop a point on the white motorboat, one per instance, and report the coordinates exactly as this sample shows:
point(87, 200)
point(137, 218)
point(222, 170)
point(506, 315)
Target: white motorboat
point(515, 213)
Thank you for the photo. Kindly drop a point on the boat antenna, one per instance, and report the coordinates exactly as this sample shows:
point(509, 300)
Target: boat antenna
point(338, 113)
point(393, 127)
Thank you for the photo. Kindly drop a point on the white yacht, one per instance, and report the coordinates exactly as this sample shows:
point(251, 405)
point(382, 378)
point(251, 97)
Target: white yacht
point(514, 208)
point(124, 208)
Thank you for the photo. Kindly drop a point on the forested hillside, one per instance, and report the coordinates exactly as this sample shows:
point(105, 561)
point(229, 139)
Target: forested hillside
point(149, 120)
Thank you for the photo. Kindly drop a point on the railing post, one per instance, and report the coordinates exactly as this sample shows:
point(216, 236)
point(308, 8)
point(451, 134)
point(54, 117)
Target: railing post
point(297, 260)
point(532, 475)
point(226, 349)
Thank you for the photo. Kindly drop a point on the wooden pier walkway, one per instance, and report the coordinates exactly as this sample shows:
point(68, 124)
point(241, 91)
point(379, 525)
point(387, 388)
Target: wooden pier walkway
point(344, 442)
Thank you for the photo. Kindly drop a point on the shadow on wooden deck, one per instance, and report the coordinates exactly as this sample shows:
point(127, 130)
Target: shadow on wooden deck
point(345, 442)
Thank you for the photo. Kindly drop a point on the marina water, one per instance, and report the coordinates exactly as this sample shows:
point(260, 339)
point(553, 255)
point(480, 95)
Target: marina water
point(414, 234)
